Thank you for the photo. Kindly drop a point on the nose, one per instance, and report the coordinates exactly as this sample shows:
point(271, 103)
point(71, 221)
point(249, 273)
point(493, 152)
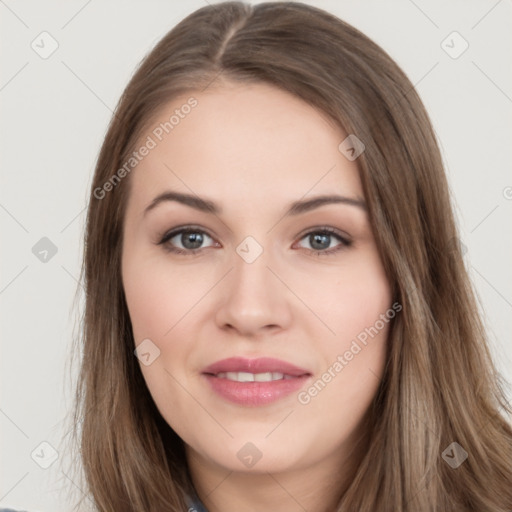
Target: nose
point(253, 300)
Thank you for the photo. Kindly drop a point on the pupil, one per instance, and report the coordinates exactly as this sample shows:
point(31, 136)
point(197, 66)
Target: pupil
point(318, 240)
point(195, 239)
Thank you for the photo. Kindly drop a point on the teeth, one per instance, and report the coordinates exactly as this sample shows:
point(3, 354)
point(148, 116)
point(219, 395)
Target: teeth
point(253, 377)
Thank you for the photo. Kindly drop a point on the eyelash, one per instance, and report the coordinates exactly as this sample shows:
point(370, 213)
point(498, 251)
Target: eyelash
point(345, 241)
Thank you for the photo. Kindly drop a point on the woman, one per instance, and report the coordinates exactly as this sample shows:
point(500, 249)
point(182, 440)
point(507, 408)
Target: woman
point(277, 314)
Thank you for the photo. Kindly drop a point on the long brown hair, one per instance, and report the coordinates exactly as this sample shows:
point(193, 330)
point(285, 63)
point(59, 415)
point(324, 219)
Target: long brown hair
point(439, 386)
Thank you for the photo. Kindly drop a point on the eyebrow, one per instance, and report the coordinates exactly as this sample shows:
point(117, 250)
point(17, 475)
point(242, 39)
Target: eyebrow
point(295, 208)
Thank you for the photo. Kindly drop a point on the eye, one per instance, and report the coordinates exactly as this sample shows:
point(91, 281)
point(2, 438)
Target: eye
point(321, 241)
point(187, 240)
point(190, 240)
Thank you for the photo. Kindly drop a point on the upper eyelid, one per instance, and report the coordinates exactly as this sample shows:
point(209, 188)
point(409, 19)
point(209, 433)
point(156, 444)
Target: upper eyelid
point(171, 233)
point(328, 229)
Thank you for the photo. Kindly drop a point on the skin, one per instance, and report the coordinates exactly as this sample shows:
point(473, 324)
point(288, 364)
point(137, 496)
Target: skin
point(265, 149)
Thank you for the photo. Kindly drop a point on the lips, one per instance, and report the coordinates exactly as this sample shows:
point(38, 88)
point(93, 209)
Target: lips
point(254, 382)
point(260, 365)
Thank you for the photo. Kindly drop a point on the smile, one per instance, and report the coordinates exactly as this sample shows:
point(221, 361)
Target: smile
point(253, 377)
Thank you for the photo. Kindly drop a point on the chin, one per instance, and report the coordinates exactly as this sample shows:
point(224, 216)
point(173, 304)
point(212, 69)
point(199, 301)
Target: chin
point(249, 457)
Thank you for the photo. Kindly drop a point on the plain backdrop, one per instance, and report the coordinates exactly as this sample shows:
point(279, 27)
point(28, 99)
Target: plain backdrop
point(55, 111)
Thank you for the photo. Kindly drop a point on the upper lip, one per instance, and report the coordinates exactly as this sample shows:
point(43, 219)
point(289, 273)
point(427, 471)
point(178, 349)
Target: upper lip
point(259, 365)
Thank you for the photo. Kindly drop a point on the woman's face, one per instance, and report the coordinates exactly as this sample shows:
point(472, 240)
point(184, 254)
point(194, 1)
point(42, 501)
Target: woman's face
point(266, 270)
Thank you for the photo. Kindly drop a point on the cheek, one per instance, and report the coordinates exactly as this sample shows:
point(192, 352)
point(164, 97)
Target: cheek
point(353, 361)
point(350, 299)
point(157, 296)
point(357, 307)
point(158, 303)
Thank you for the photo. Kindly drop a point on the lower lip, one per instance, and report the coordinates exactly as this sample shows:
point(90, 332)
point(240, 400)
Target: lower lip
point(255, 393)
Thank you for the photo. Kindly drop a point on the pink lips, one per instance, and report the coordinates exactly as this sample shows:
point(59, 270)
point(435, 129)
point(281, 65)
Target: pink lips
point(260, 365)
point(255, 393)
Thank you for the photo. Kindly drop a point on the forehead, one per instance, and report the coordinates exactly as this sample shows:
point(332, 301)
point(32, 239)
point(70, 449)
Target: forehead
point(249, 141)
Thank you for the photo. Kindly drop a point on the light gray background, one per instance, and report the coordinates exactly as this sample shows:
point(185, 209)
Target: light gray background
point(54, 115)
